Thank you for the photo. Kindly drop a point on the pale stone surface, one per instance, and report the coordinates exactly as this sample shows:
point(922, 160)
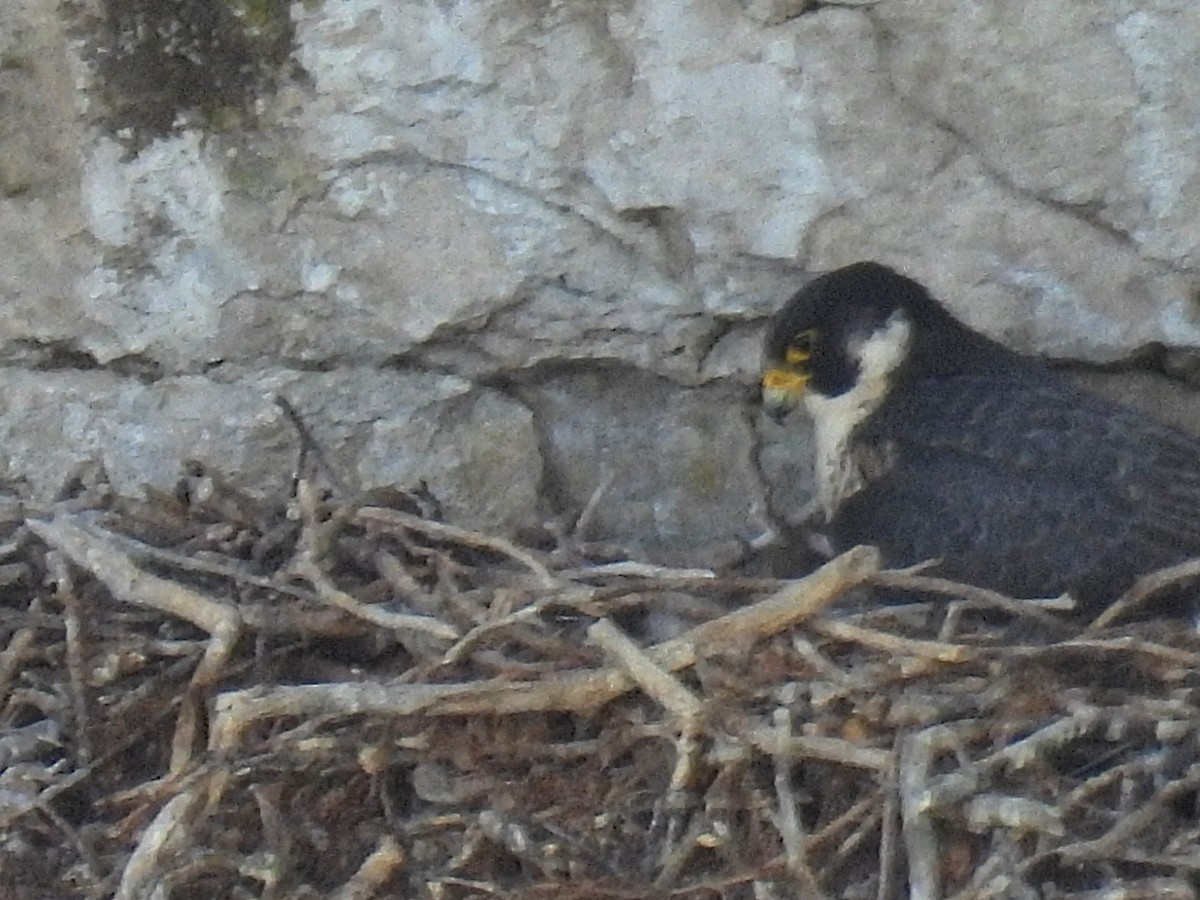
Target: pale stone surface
point(53, 422)
point(673, 468)
point(43, 253)
point(167, 205)
point(1078, 104)
point(476, 451)
point(438, 199)
point(1034, 273)
point(378, 265)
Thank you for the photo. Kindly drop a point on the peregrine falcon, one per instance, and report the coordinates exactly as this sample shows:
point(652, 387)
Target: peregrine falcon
point(935, 442)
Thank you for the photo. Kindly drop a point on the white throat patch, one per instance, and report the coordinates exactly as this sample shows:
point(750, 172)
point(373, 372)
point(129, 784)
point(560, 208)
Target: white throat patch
point(839, 474)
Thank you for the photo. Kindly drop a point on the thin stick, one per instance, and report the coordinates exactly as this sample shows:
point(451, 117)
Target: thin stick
point(394, 518)
point(237, 710)
point(791, 830)
point(334, 596)
point(1143, 589)
point(920, 840)
point(1120, 838)
point(811, 746)
point(96, 554)
point(907, 581)
point(653, 680)
point(892, 644)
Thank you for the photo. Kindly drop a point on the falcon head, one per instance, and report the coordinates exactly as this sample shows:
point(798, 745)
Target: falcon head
point(852, 334)
point(848, 330)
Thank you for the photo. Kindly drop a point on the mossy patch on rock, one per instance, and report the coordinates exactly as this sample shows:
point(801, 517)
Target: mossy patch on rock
point(160, 64)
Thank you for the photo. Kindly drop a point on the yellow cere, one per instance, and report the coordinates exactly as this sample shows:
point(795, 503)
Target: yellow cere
point(784, 381)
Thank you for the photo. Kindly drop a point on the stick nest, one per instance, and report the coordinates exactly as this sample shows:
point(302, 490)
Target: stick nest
point(205, 697)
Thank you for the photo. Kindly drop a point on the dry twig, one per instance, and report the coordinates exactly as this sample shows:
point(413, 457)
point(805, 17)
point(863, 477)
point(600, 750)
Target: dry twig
point(238, 710)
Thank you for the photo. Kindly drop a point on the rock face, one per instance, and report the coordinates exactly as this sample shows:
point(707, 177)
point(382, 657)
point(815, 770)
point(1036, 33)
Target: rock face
point(516, 250)
point(671, 465)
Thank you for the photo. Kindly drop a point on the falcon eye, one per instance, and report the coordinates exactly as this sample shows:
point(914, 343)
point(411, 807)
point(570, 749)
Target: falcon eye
point(800, 350)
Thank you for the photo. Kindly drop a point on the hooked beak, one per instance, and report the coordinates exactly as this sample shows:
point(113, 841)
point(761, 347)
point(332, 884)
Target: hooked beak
point(781, 391)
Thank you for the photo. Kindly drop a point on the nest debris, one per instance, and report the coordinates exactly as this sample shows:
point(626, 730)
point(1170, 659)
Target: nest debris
point(201, 696)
